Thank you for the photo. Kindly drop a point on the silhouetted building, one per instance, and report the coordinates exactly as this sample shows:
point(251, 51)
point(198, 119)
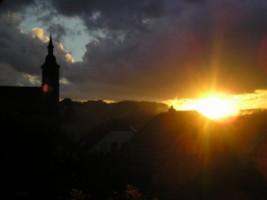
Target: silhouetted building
point(50, 79)
point(35, 99)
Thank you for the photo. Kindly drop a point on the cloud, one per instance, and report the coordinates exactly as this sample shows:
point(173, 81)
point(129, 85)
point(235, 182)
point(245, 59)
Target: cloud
point(150, 49)
point(254, 100)
point(176, 49)
point(19, 50)
point(15, 5)
point(10, 76)
point(22, 55)
point(112, 14)
point(69, 58)
point(39, 33)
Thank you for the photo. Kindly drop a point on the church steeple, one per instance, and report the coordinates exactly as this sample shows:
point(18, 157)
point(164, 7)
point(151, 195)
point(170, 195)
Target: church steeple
point(50, 58)
point(50, 46)
point(50, 78)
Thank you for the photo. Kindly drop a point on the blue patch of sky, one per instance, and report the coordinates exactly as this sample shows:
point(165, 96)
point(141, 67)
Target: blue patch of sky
point(76, 34)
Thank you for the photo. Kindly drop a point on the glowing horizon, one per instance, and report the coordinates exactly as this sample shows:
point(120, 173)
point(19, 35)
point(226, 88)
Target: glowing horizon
point(221, 105)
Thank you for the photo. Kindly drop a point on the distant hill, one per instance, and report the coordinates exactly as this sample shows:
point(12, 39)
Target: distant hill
point(96, 112)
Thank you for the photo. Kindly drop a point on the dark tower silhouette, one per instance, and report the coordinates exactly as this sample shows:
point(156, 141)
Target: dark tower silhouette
point(50, 79)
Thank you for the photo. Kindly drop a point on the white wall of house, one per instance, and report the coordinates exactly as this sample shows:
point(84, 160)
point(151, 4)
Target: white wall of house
point(113, 141)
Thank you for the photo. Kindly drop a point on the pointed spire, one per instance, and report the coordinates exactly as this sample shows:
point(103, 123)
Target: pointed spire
point(50, 59)
point(50, 45)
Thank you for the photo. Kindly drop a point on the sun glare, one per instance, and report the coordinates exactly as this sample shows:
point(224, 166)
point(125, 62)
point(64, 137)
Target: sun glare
point(216, 107)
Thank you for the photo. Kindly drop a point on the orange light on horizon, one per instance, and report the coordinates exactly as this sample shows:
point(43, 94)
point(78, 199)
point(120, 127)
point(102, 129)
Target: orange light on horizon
point(216, 108)
point(213, 106)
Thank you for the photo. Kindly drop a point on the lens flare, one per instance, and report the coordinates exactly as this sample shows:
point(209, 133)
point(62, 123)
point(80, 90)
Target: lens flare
point(45, 88)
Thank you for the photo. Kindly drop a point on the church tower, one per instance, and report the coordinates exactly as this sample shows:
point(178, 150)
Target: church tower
point(50, 79)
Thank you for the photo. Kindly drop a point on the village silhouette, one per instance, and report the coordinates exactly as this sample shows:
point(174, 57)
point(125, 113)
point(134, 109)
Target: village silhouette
point(52, 149)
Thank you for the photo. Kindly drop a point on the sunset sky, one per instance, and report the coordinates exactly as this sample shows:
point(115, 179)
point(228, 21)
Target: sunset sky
point(152, 50)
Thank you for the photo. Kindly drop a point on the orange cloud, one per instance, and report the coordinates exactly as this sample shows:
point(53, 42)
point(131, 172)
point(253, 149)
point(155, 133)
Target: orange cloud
point(39, 33)
point(69, 58)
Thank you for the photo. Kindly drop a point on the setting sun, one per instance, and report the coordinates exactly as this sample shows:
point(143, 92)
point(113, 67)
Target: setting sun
point(215, 107)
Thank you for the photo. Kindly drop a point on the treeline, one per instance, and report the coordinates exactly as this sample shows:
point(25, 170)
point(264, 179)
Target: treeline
point(94, 113)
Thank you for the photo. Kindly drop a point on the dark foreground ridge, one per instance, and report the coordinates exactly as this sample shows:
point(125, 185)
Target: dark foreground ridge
point(173, 155)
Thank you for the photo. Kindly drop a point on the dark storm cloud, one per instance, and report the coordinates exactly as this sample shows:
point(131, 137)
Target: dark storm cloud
point(168, 48)
point(15, 5)
point(255, 24)
point(112, 14)
point(142, 42)
point(152, 49)
point(128, 58)
point(18, 50)
point(194, 1)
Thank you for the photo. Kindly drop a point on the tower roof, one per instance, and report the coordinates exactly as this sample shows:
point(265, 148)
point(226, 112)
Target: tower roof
point(50, 45)
point(50, 59)
point(50, 41)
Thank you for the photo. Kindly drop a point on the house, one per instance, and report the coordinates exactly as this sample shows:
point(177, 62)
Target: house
point(107, 137)
point(113, 141)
